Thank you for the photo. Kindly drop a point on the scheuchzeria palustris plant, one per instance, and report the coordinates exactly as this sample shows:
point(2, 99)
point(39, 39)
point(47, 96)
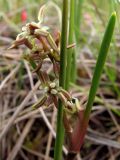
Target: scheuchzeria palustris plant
point(42, 45)
point(50, 49)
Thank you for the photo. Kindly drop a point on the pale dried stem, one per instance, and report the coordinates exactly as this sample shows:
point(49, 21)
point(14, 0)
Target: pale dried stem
point(11, 74)
point(18, 110)
point(50, 135)
point(20, 140)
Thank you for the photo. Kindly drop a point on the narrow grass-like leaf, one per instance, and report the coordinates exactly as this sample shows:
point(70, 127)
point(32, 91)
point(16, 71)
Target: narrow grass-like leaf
point(100, 62)
point(81, 127)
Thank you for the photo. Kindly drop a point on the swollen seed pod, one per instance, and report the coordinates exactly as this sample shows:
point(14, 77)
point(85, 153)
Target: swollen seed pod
point(40, 102)
point(66, 94)
point(62, 98)
point(18, 43)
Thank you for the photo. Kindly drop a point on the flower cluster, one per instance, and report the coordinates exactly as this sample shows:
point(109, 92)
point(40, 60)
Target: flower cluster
point(42, 45)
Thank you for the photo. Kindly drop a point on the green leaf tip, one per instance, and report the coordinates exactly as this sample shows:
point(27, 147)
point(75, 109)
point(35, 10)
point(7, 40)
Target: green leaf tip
point(114, 14)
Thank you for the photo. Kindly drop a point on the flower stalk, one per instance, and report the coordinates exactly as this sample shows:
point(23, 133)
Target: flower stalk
point(71, 51)
point(62, 76)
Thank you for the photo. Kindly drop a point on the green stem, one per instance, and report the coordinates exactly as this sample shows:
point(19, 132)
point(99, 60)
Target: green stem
point(63, 58)
point(71, 40)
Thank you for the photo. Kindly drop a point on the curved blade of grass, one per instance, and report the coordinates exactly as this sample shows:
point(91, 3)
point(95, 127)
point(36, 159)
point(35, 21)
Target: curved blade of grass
point(80, 129)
